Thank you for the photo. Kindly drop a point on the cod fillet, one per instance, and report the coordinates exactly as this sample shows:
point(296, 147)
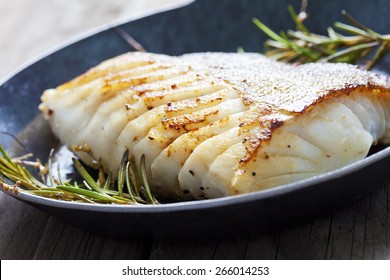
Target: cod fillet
point(219, 124)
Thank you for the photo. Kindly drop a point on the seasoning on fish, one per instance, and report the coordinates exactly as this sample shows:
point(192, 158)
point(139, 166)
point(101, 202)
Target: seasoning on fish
point(219, 124)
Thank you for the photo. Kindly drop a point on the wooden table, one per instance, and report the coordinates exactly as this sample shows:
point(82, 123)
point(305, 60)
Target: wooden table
point(359, 231)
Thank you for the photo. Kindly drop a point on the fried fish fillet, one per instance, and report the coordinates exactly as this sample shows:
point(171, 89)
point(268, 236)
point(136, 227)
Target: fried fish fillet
point(219, 124)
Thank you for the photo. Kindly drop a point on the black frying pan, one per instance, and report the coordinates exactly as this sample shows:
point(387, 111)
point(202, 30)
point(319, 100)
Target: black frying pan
point(200, 26)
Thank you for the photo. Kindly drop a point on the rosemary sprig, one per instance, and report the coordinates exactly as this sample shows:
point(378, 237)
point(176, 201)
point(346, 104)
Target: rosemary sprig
point(302, 46)
point(90, 191)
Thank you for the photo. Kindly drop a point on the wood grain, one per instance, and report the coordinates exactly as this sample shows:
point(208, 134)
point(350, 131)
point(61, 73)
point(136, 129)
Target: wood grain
point(360, 231)
point(21, 228)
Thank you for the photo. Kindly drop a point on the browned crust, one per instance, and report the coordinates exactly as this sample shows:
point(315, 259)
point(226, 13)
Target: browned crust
point(254, 143)
point(272, 92)
point(381, 90)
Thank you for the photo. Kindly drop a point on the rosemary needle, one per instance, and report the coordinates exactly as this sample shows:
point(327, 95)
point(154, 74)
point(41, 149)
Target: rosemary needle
point(302, 46)
point(90, 191)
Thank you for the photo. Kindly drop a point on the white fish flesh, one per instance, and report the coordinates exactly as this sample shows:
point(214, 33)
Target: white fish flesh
point(219, 124)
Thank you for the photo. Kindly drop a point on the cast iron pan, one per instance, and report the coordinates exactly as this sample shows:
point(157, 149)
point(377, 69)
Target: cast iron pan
point(200, 26)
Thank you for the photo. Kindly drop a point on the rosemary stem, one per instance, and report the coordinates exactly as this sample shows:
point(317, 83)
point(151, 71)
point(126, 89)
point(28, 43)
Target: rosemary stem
point(90, 191)
point(302, 46)
point(145, 183)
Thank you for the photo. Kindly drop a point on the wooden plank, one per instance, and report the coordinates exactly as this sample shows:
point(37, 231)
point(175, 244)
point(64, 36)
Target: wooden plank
point(293, 242)
point(120, 249)
point(262, 247)
point(183, 249)
point(361, 231)
point(64, 241)
point(341, 235)
point(357, 232)
point(21, 228)
point(231, 249)
point(318, 239)
point(376, 241)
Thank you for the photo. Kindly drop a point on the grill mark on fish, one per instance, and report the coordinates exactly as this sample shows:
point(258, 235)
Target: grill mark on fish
point(201, 101)
point(96, 73)
point(182, 109)
point(142, 80)
point(155, 99)
point(167, 165)
point(113, 89)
